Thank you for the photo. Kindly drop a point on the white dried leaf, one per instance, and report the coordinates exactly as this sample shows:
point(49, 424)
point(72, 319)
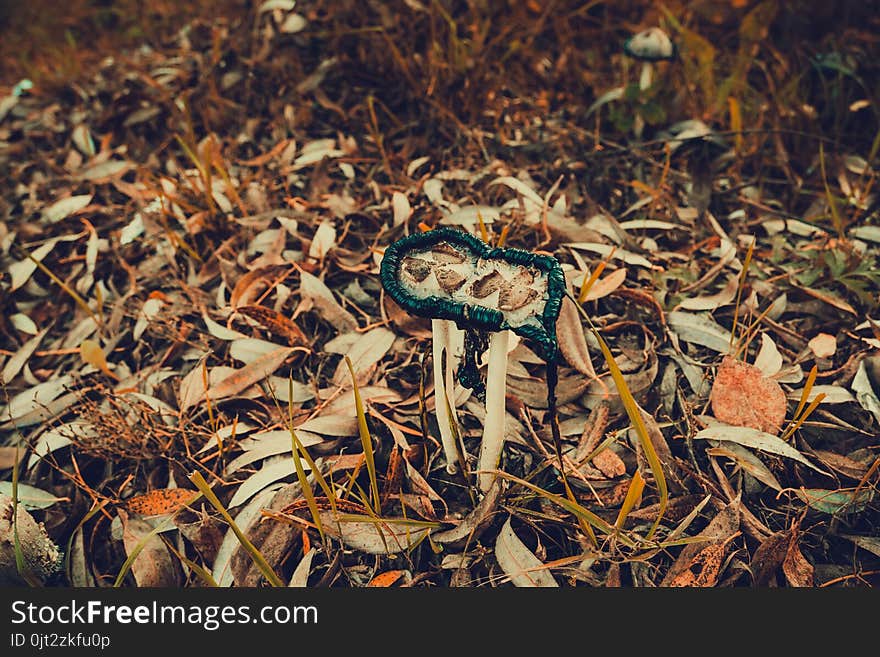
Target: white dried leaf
point(35, 398)
point(23, 323)
point(148, 312)
point(132, 230)
point(364, 354)
point(699, 329)
point(323, 241)
point(823, 345)
point(220, 331)
point(833, 394)
point(713, 301)
point(30, 497)
point(247, 350)
point(294, 23)
point(22, 270)
point(13, 365)
point(401, 208)
point(222, 570)
point(275, 470)
point(754, 439)
point(605, 250)
point(62, 209)
point(313, 290)
point(768, 360)
point(272, 5)
point(519, 563)
point(865, 393)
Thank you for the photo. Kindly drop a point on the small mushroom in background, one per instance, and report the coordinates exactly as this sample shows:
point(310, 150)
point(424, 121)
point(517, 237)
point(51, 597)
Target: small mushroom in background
point(649, 46)
point(702, 148)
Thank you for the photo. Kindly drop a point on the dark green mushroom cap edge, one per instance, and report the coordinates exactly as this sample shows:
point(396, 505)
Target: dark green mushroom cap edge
point(474, 316)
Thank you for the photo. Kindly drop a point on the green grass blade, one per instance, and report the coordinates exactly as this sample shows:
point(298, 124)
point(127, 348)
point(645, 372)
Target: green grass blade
point(366, 439)
point(636, 486)
point(260, 561)
point(297, 448)
point(20, 564)
point(141, 544)
point(572, 507)
point(635, 418)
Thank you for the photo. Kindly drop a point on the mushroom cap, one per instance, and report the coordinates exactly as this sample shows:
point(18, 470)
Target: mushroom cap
point(692, 133)
point(650, 45)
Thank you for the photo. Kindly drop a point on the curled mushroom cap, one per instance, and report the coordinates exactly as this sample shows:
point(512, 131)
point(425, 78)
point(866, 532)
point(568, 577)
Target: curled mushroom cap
point(650, 45)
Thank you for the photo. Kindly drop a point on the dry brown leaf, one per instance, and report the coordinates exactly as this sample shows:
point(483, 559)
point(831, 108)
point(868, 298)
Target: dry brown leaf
point(154, 565)
point(316, 294)
point(768, 557)
point(386, 579)
point(704, 568)
point(571, 338)
point(249, 374)
point(798, 571)
point(469, 529)
point(724, 526)
point(160, 501)
point(519, 563)
point(8, 456)
point(279, 324)
point(253, 283)
point(605, 286)
point(93, 355)
point(742, 396)
point(374, 536)
point(365, 355)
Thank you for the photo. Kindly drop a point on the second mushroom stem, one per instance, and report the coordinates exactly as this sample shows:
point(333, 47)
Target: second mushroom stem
point(448, 339)
point(496, 390)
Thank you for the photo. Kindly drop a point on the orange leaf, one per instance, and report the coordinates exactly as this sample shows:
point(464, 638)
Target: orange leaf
point(277, 323)
point(386, 579)
point(744, 397)
point(160, 501)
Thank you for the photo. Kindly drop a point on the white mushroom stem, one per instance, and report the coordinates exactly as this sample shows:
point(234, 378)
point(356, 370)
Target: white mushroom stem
point(446, 337)
point(647, 75)
point(493, 429)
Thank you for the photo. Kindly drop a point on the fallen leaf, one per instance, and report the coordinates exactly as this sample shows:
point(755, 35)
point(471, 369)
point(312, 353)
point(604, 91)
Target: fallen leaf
point(274, 471)
point(519, 563)
point(279, 324)
point(703, 569)
point(836, 502)
point(365, 354)
point(249, 374)
point(749, 437)
point(300, 577)
point(153, 566)
point(718, 532)
point(699, 329)
point(65, 207)
point(572, 340)
point(768, 360)
point(31, 497)
point(386, 579)
point(315, 293)
point(713, 301)
point(374, 535)
point(823, 345)
point(606, 285)
point(160, 501)
point(93, 355)
point(13, 365)
point(798, 571)
point(742, 396)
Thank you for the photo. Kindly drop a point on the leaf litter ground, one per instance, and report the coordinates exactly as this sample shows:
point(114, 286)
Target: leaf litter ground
point(193, 219)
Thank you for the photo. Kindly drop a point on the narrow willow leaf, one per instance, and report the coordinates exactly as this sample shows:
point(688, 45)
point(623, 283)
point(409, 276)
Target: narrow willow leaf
point(259, 559)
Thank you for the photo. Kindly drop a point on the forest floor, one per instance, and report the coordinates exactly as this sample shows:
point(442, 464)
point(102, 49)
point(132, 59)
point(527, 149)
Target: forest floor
point(193, 214)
